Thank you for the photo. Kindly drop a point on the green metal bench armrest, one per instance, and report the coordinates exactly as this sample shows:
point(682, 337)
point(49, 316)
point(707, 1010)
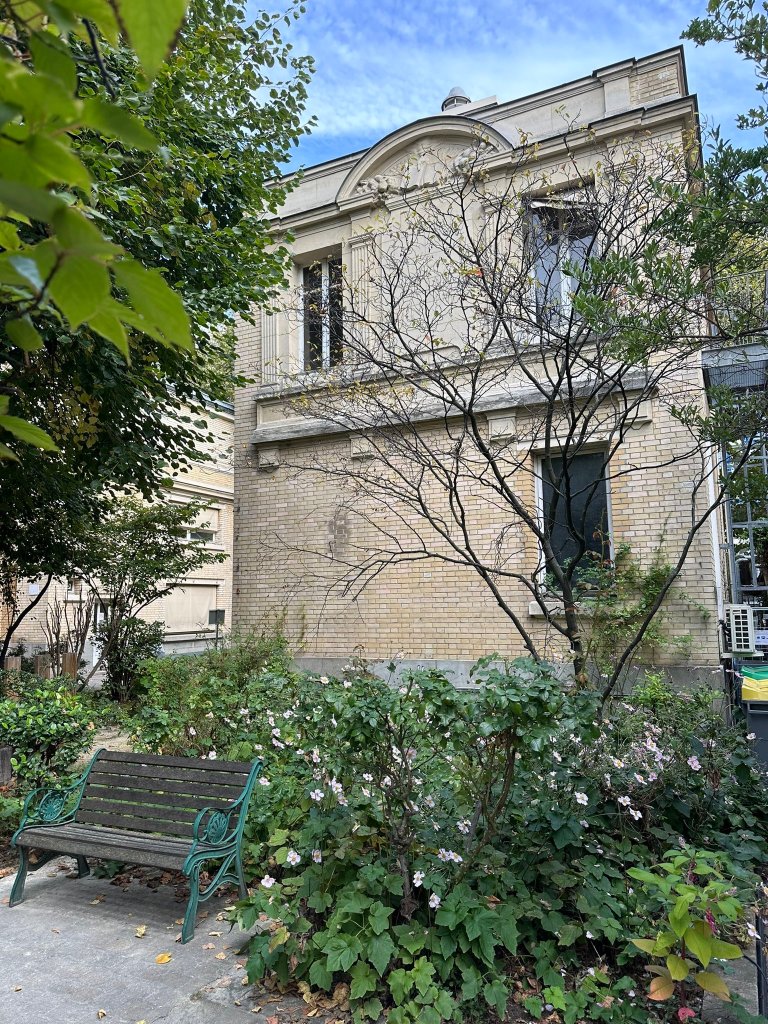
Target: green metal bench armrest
point(53, 806)
point(214, 826)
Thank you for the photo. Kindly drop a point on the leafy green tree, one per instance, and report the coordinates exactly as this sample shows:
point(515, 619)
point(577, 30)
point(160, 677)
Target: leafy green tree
point(171, 164)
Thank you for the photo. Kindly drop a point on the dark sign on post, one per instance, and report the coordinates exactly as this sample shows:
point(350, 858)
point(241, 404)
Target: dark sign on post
point(216, 618)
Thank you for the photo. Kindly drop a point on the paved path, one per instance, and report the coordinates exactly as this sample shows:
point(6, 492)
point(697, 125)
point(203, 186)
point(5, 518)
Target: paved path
point(70, 950)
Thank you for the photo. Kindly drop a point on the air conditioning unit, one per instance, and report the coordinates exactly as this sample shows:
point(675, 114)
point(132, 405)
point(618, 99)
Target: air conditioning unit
point(740, 622)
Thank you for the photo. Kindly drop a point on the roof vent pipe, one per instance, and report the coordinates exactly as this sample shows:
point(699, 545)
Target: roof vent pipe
point(455, 98)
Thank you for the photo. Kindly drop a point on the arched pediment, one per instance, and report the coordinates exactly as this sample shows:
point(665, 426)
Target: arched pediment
point(420, 154)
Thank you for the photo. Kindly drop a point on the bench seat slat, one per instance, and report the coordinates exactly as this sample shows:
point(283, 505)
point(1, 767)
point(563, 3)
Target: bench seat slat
point(140, 784)
point(133, 823)
point(135, 809)
point(111, 844)
point(220, 767)
point(114, 769)
point(144, 798)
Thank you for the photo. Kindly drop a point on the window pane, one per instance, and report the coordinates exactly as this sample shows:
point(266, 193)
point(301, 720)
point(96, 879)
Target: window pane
point(313, 317)
point(575, 506)
point(335, 323)
point(545, 239)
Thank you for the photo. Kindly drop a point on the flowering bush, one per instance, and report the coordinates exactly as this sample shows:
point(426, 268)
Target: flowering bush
point(430, 848)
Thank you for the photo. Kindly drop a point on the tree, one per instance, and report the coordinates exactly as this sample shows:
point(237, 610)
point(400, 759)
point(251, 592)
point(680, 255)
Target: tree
point(178, 183)
point(505, 343)
point(140, 554)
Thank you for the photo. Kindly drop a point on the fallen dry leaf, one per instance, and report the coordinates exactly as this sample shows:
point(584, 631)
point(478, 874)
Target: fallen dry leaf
point(272, 1020)
point(163, 958)
point(17, 988)
point(221, 956)
point(98, 900)
point(179, 920)
point(209, 945)
point(55, 931)
point(217, 934)
point(101, 1014)
point(141, 931)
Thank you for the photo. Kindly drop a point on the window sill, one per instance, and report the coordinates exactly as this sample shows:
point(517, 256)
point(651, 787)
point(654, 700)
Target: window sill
point(556, 610)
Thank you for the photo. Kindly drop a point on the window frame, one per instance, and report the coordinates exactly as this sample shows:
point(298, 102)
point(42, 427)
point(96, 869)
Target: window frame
point(562, 305)
point(539, 459)
point(331, 348)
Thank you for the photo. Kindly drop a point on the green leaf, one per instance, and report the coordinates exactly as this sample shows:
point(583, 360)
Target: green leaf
point(400, 984)
point(569, 934)
point(35, 203)
point(422, 974)
point(677, 967)
point(98, 11)
point(647, 945)
point(151, 28)
point(725, 950)
point(698, 940)
point(713, 984)
point(28, 433)
point(57, 161)
point(109, 327)
point(381, 949)
point(75, 232)
point(53, 58)
point(534, 1006)
point(320, 976)
point(555, 995)
point(157, 304)
point(117, 123)
point(9, 236)
point(679, 918)
point(363, 980)
point(496, 995)
point(79, 287)
point(23, 333)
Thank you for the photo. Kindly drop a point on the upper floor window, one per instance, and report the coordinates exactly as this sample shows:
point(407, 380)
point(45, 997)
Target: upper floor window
point(560, 240)
point(322, 314)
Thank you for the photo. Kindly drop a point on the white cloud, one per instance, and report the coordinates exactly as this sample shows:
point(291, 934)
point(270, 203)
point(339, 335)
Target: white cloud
point(383, 64)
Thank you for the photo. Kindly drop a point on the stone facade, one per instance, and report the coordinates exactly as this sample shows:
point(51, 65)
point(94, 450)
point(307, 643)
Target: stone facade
point(287, 521)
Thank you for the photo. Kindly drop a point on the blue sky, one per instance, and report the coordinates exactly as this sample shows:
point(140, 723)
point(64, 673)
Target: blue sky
point(383, 64)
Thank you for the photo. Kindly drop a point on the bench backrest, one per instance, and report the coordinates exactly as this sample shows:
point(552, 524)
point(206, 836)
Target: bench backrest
point(152, 793)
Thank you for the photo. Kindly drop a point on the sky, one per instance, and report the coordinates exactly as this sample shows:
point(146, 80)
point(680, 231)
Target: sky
point(383, 64)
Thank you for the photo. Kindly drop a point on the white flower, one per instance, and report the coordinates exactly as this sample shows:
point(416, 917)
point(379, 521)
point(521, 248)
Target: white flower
point(209, 715)
point(264, 782)
point(192, 731)
point(464, 826)
point(243, 711)
point(317, 856)
point(275, 732)
point(637, 815)
point(751, 931)
point(584, 823)
point(429, 802)
point(212, 755)
point(556, 756)
point(631, 993)
point(434, 901)
point(278, 744)
point(268, 881)
point(299, 752)
point(287, 714)
point(624, 801)
point(386, 781)
point(316, 756)
point(751, 736)
point(317, 794)
point(346, 684)
point(367, 777)
point(589, 935)
point(336, 786)
point(694, 764)
point(418, 878)
point(324, 680)
point(582, 798)
point(591, 971)
point(293, 858)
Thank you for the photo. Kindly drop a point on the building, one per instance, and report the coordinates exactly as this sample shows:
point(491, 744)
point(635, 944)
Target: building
point(186, 610)
point(299, 531)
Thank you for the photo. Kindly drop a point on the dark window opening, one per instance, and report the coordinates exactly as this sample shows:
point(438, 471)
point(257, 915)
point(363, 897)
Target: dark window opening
point(575, 508)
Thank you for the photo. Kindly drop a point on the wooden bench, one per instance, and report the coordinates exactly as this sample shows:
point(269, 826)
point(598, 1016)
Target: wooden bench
point(177, 813)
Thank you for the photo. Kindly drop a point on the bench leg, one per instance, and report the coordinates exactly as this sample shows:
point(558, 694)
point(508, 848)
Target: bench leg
point(17, 892)
point(241, 878)
point(82, 867)
point(188, 928)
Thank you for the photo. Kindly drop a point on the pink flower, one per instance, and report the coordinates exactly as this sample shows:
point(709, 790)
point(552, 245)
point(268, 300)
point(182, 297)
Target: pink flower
point(694, 764)
point(685, 1013)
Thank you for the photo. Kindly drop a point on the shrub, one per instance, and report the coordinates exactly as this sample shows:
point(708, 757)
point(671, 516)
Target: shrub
point(427, 847)
point(134, 642)
point(47, 727)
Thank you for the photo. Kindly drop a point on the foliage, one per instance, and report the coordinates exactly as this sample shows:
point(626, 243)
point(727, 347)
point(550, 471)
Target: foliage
point(697, 901)
point(187, 213)
point(429, 847)
point(127, 645)
point(190, 704)
point(47, 727)
point(139, 554)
